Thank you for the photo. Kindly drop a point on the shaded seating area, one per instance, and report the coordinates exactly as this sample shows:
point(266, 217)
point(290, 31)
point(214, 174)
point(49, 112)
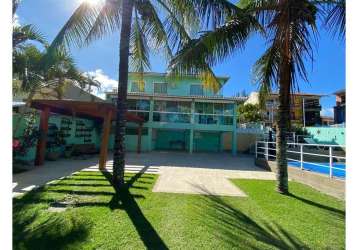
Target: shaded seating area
point(99, 111)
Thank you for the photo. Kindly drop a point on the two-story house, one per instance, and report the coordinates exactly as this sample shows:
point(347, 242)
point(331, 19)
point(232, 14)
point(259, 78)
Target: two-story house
point(180, 114)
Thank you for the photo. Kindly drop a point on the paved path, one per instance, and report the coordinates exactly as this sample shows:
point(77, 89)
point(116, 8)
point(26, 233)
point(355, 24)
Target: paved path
point(179, 172)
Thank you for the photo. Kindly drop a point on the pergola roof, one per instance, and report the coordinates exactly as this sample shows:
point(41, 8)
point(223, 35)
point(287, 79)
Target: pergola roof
point(83, 109)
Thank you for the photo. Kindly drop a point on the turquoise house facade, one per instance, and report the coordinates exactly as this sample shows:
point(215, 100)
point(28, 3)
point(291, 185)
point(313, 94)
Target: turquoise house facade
point(179, 114)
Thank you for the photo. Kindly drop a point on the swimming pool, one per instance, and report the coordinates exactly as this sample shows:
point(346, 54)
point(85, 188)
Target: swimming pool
point(339, 169)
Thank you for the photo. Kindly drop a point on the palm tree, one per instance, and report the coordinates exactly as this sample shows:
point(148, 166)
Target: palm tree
point(142, 27)
point(22, 34)
point(290, 29)
point(34, 70)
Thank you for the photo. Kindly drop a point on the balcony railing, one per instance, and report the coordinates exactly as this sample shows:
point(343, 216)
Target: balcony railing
point(172, 117)
point(213, 119)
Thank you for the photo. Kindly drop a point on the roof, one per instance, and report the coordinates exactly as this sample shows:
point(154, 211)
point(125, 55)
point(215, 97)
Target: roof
point(339, 92)
point(71, 92)
point(18, 104)
point(226, 78)
point(82, 109)
point(196, 97)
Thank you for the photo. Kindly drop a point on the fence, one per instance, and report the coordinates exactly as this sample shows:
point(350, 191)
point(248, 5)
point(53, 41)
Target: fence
point(268, 150)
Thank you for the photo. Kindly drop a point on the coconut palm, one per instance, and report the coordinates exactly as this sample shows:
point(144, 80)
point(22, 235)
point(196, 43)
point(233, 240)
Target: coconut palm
point(22, 34)
point(290, 30)
point(162, 25)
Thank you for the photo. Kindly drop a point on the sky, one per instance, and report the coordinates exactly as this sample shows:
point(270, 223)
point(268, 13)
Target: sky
point(326, 74)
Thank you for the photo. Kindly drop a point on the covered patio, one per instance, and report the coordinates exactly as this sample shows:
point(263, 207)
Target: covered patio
point(105, 112)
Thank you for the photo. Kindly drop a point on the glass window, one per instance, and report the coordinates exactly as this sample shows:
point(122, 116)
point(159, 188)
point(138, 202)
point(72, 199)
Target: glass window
point(159, 105)
point(199, 107)
point(184, 107)
point(143, 105)
point(160, 88)
point(135, 87)
point(218, 108)
point(208, 108)
point(228, 109)
point(138, 105)
point(132, 104)
point(196, 89)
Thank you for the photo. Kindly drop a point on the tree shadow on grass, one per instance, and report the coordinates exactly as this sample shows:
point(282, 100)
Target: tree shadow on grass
point(336, 211)
point(55, 231)
point(123, 199)
point(33, 230)
point(239, 230)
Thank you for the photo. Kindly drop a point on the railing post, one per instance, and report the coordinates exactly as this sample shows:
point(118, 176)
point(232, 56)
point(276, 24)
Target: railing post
point(266, 151)
point(301, 156)
point(330, 163)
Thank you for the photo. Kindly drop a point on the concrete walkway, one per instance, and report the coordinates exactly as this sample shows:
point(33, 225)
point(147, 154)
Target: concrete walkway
point(199, 173)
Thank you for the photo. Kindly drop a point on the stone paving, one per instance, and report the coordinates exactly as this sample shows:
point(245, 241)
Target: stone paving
point(199, 173)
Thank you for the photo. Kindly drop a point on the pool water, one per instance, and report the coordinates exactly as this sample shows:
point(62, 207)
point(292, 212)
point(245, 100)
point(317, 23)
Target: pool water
point(338, 171)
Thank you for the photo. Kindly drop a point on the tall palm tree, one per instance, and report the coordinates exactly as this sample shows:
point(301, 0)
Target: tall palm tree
point(290, 30)
point(162, 25)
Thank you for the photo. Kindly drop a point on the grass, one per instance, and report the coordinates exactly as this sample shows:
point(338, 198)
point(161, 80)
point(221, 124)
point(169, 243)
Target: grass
point(136, 218)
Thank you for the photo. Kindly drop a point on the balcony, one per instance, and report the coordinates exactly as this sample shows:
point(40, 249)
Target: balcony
point(171, 117)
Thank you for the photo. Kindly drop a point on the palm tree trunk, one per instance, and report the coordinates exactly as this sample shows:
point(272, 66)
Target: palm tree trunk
point(119, 146)
point(282, 126)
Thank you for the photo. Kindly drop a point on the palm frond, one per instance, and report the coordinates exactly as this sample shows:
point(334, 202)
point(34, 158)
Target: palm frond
point(108, 20)
point(25, 33)
point(153, 28)
point(214, 46)
point(139, 51)
point(214, 12)
point(266, 70)
point(335, 20)
point(77, 28)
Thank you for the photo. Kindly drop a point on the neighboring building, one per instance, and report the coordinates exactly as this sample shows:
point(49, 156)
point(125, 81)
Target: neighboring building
point(180, 114)
point(69, 92)
point(340, 108)
point(327, 120)
point(305, 108)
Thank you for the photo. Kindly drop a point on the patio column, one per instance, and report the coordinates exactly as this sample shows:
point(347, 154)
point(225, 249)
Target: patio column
point(41, 144)
point(234, 133)
point(192, 121)
point(191, 141)
point(105, 138)
point(139, 138)
point(150, 124)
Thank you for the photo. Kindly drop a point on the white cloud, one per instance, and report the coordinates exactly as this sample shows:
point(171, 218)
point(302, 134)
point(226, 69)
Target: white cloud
point(107, 83)
point(16, 21)
point(327, 112)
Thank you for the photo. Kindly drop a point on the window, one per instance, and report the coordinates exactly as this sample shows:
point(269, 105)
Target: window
point(172, 106)
point(196, 89)
point(160, 88)
point(142, 105)
point(135, 87)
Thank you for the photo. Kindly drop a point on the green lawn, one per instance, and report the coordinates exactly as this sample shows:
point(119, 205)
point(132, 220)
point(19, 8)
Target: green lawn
point(139, 219)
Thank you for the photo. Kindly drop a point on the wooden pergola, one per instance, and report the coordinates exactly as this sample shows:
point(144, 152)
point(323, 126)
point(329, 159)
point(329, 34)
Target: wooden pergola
point(101, 111)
